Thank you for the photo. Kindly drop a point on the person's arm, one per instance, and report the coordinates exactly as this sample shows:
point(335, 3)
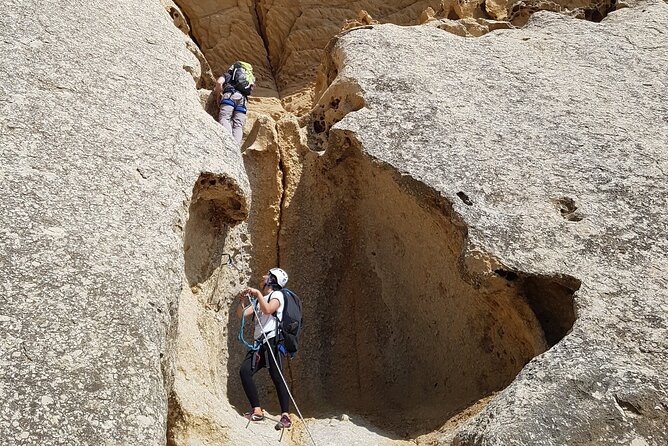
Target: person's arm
point(219, 86)
point(266, 307)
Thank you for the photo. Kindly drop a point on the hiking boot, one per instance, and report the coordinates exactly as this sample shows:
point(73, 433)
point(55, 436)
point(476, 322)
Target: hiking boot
point(284, 423)
point(253, 416)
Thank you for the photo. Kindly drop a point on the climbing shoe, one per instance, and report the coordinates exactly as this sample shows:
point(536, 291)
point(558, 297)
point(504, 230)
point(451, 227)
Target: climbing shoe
point(284, 423)
point(253, 416)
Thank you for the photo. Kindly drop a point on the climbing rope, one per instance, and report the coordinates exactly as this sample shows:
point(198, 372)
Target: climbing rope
point(271, 350)
point(241, 331)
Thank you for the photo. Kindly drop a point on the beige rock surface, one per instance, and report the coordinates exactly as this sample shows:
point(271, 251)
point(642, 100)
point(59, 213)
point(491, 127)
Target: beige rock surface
point(284, 39)
point(103, 140)
point(525, 212)
point(131, 221)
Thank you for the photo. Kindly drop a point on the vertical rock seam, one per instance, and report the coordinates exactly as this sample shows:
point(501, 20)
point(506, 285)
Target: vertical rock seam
point(260, 21)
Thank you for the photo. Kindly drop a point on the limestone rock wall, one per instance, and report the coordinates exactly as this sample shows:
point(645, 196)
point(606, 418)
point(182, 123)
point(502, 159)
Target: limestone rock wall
point(433, 261)
point(103, 140)
point(284, 39)
point(547, 170)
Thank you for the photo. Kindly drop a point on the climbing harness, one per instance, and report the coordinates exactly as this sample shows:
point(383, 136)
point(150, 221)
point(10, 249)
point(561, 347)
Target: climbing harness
point(271, 350)
point(228, 102)
point(238, 108)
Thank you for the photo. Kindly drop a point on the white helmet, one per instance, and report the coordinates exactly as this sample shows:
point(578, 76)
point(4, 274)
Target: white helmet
point(281, 276)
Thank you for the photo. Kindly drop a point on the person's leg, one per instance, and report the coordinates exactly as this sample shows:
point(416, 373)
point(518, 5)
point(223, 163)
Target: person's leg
point(253, 362)
point(238, 117)
point(226, 111)
point(281, 389)
point(238, 121)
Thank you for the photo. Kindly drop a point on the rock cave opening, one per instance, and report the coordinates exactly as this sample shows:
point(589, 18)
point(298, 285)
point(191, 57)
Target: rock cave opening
point(213, 208)
point(399, 331)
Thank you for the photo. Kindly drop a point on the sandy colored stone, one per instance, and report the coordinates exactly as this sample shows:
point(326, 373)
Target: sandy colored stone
point(103, 139)
point(284, 39)
point(508, 184)
point(363, 19)
point(470, 27)
point(531, 200)
point(180, 21)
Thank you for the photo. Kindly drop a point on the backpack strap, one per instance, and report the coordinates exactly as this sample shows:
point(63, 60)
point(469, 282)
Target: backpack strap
point(278, 321)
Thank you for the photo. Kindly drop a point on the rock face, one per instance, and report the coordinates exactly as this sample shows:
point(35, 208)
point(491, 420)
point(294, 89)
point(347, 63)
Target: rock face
point(284, 39)
point(103, 143)
point(476, 202)
point(467, 220)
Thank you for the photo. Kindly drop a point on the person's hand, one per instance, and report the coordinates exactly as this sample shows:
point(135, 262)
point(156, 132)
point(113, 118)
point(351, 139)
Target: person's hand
point(247, 293)
point(243, 295)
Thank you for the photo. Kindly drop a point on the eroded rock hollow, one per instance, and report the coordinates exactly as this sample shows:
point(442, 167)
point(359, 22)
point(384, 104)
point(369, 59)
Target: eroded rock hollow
point(400, 328)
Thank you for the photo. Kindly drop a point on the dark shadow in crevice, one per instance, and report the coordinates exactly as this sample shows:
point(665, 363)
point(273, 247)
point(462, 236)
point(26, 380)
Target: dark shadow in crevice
point(552, 300)
point(215, 207)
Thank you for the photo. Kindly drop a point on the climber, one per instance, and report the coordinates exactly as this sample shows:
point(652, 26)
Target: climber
point(269, 303)
point(235, 86)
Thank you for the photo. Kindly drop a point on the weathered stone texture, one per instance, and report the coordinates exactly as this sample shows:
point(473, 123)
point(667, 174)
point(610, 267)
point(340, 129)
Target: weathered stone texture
point(284, 39)
point(549, 143)
point(102, 138)
point(471, 190)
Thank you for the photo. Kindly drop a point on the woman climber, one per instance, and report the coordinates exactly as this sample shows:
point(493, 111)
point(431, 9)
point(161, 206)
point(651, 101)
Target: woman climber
point(269, 303)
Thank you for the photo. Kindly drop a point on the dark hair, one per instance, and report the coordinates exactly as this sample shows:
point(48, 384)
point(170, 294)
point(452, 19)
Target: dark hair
point(273, 284)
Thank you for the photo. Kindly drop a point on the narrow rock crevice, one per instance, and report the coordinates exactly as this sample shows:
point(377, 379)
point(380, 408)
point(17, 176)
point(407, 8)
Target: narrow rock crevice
point(261, 26)
point(281, 205)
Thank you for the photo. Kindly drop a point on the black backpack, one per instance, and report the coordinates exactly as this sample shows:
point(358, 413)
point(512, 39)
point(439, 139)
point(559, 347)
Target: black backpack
point(292, 324)
point(241, 78)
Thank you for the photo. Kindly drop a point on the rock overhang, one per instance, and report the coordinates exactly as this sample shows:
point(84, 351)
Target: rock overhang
point(524, 125)
point(547, 141)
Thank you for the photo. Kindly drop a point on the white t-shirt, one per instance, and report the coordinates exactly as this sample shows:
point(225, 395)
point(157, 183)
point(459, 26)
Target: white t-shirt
point(267, 321)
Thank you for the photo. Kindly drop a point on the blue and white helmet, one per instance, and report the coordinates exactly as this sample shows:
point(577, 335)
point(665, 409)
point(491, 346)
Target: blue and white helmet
point(280, 275)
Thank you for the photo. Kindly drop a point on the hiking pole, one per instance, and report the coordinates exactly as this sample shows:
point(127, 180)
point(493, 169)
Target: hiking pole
point(271, 350)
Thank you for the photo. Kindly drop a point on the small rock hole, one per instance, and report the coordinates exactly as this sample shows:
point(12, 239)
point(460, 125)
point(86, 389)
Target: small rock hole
point(568, 209)
point(465, 198)
point(319, 126)
point(508, 275)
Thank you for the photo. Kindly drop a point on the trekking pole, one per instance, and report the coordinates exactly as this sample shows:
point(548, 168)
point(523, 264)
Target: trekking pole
point(271, 350)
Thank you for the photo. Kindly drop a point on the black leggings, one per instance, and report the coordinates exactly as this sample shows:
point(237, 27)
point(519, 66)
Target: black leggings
point(254, 361)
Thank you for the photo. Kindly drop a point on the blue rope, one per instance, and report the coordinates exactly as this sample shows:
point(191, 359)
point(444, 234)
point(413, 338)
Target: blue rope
point(241, 331)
